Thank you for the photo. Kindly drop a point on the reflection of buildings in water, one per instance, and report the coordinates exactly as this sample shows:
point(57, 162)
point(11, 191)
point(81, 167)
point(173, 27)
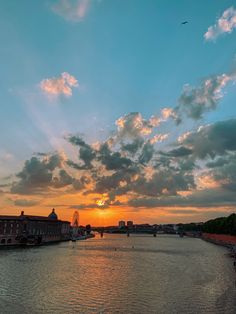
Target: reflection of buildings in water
point(33, 230)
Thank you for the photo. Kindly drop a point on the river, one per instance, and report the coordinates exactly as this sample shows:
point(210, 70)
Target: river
point(119, 274)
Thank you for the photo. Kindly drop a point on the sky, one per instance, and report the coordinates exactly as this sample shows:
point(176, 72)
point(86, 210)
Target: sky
point(118, 110)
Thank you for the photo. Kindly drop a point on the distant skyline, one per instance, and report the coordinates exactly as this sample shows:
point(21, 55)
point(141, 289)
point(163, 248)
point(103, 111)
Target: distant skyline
point(118, 110)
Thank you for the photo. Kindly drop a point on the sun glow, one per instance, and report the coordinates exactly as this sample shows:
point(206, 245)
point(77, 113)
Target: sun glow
point(100, 202)
point(103, 201)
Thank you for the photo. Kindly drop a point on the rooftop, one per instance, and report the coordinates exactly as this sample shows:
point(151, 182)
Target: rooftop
point(52, 217)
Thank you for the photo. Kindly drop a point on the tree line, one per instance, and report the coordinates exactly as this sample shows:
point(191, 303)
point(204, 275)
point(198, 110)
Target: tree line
point(221, 225)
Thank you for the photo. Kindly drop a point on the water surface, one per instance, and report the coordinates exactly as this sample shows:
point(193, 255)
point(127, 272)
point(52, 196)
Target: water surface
point(117, 274)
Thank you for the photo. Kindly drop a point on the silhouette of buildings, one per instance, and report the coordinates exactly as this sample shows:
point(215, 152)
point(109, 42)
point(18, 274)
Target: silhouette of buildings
point(130, 224)
point(121, 224)
point(33, 230)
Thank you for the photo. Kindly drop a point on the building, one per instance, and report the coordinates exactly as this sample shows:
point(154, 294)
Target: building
point(130, 224)
point(121, 224)
point(33, 230)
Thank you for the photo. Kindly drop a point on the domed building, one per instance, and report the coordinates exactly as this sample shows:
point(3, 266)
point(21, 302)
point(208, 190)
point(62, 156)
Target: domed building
point(33, 230)
point(53, 215)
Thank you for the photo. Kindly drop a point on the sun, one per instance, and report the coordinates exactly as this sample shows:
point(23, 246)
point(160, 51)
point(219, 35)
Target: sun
point(101, 202)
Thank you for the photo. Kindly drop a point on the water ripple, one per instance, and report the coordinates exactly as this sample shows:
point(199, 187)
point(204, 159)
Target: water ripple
point(117, 274)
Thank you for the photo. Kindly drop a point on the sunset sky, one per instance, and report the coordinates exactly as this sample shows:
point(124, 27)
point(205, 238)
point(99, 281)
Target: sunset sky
point(118, 110)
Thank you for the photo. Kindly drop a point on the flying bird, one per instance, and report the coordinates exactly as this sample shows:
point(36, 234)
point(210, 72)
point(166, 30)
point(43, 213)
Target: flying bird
point(185, 22)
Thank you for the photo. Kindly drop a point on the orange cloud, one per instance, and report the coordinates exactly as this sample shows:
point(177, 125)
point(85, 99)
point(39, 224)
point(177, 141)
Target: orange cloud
point(61, 85)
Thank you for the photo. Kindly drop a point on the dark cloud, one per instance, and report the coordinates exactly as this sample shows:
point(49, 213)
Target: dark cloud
point(147, 153)
point(212, 140)
point(217, 163)
point(112, 161)
point(179, 152)
point(216, 197)
point(163, 182)
point(119, 181)
point(88, 206)
point(182, 211)
point(195, 101)
point(86, 152)
point(63, 179)
point(25, 203)
point(38, 175)
point(224, 172)
point(74, 165)
point(4, 185)
point(76, 140)
point(128, 163)
point(133, 147)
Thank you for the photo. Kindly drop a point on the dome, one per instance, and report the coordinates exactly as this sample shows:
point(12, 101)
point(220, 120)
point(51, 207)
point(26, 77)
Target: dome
point(53, 215)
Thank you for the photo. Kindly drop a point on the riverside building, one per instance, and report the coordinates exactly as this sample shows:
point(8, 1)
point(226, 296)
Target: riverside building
point(33, 230)
point(121, 224)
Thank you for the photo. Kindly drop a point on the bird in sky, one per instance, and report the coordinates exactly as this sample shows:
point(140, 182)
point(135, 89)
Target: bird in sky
point(185, 22)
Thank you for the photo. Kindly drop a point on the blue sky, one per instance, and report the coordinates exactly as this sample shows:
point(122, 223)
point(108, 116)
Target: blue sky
point(127, 56)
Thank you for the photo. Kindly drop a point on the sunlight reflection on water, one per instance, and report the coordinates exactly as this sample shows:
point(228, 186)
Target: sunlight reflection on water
point(116, 274)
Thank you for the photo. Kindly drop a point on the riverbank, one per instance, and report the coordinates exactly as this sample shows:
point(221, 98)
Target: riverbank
point(220, 239)
point(224, 240)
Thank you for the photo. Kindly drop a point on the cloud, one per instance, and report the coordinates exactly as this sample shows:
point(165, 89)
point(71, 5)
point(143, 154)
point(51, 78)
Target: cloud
point(133, 125)
point(72, 10)
point(117, 183)
point(182, 211)
point(88, 206)
point(86, 152)
point(225, 24)
point(216, 197)
point(25, 203)
point(36, 175)
point(117, 169)
point(212, 140)
point(146, 153)
point(198, 170)
point(163, 182)
point(179, 152)
point(132, 147)
point(112, 160)
point(158, 138)
point(223, 172)
point(58, 86)
point(62, 180)
point(195, 101)
point(167, 113)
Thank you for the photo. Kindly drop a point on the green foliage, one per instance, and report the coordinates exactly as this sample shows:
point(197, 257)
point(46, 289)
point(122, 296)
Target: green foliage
point(222, 225)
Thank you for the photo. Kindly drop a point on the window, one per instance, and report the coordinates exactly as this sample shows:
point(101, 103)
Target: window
point(3, 241)
point(9, 241)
